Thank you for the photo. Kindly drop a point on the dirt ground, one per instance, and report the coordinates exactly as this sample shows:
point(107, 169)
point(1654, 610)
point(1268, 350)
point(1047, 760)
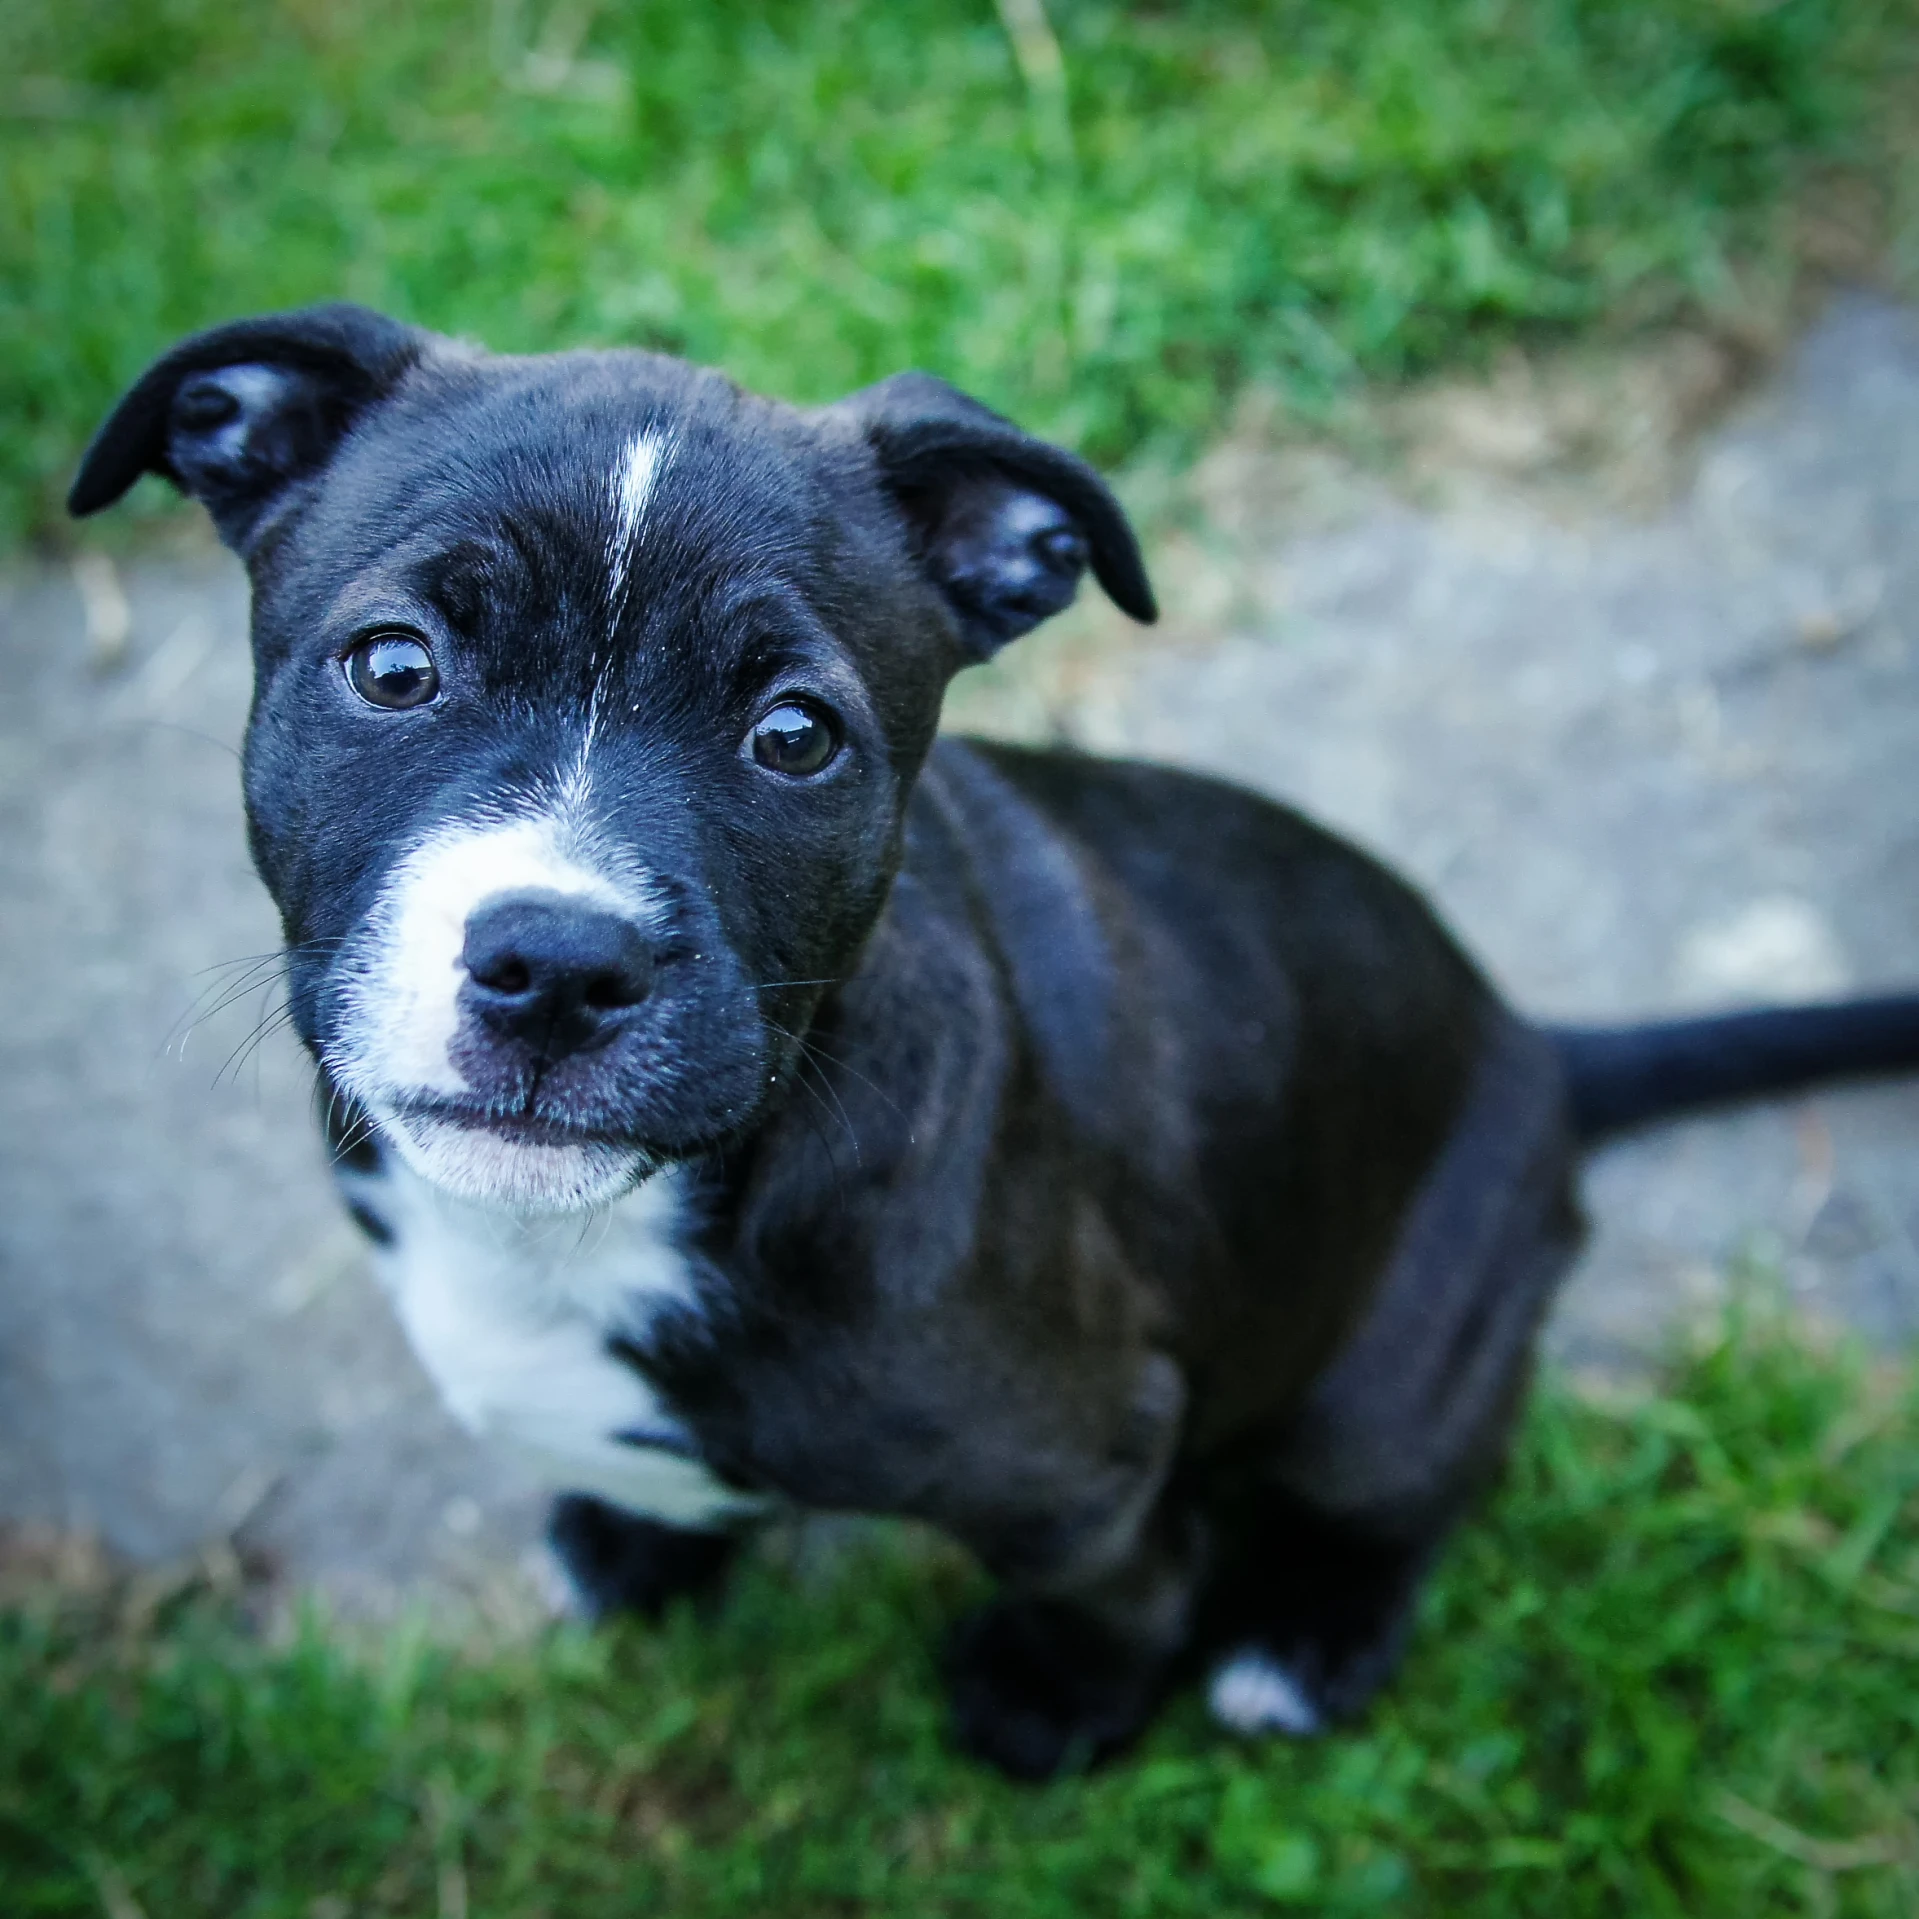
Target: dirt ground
point(1638, 706)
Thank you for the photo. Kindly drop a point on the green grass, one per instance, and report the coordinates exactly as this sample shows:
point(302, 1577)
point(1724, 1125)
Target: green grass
point(1672, 1671)
point(817, 192)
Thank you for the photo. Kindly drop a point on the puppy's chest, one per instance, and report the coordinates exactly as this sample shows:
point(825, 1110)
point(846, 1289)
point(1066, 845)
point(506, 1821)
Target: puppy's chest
point(516, 1321)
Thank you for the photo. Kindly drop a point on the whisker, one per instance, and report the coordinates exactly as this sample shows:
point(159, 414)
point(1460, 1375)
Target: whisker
point(355, 1136)
point(600, 1216)
point(332, 1107)
point(277, 952)
point(192, 733)
point(222, 993)
point(245, 959)
point(813, 1127)
point(832, 1058)
point(832, 1092)
point(249, 1050)
point(272, 1022)
point(249, 968)
point(229, 995)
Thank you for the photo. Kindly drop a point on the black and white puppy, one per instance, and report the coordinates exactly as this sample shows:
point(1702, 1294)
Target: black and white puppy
point(756, 1105)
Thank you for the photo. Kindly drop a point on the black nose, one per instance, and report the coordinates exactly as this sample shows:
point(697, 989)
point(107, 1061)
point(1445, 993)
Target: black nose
point(553, 971)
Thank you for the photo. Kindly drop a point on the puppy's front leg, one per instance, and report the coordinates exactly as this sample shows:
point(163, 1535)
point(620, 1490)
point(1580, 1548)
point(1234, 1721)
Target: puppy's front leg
point(1064, 1674)
point(1102, 1578)
point(616, 1561)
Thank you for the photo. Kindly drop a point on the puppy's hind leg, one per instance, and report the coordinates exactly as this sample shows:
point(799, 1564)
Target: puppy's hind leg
point(614, 1561)
point(1324, 1541)
point(1311, 1616)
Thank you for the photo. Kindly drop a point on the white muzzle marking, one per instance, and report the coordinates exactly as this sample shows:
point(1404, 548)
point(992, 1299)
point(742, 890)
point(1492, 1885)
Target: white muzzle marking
point(401, 1011)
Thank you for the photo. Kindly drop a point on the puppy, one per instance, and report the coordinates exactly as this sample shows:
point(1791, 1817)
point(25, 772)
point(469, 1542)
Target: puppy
point(755, 1104)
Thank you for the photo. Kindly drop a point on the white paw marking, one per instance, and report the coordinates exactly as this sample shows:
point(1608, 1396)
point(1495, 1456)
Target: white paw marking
point(1252, 1693)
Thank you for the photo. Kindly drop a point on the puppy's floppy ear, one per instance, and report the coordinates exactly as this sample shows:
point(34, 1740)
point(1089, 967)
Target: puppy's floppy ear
point(232, 415)
point(1004, 524)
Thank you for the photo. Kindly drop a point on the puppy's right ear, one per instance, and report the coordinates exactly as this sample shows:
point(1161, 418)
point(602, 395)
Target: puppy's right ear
point(1003, 524)
point(233, 415)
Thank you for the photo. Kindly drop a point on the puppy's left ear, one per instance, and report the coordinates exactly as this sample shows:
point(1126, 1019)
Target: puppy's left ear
point(235, 415)
point(1003, 524)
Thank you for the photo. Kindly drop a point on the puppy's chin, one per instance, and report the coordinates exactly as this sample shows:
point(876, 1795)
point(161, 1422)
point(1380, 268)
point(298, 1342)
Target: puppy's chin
point(516, 1176)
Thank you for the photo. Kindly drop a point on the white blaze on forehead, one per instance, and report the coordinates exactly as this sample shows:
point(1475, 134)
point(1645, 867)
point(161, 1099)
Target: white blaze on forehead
point(402, 993)
point(631, 485)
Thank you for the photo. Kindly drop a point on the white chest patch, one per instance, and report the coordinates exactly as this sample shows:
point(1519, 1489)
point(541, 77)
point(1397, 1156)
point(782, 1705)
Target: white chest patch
point(511, 1317)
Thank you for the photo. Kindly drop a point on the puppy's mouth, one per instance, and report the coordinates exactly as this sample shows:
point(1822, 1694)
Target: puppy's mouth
point(519, 1129)
point(522, 1162)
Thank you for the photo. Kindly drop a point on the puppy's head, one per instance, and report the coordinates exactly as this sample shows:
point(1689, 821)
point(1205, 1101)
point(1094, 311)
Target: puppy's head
point(589, 693)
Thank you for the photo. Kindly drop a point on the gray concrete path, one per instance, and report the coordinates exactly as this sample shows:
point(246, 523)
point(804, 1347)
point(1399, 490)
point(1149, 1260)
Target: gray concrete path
point(1643, 764)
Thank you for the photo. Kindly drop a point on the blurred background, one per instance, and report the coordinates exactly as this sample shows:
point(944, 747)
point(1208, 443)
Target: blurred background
point(1110, 220)
point(1519, 400)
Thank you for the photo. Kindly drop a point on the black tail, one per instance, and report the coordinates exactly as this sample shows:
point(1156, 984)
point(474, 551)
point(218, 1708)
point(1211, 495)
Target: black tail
point(1619, 1076)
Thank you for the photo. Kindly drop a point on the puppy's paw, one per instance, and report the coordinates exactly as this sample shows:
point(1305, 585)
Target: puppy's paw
point(1252, 1692)
point(613, 1561)
point(1038, 1688)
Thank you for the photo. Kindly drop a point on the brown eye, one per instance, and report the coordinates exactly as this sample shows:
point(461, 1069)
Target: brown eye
point(393, 670)
point(796, 738)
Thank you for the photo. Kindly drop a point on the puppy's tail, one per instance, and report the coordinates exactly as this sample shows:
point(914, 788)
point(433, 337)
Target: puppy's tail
point(1621, 1076)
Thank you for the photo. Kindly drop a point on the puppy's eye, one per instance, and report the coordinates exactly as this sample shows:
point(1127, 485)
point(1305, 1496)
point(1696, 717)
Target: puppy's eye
point(393, 670)
point(796, 738)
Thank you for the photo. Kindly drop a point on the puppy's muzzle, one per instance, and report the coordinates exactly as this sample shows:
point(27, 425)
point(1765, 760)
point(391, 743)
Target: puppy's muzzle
point(555, 973)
